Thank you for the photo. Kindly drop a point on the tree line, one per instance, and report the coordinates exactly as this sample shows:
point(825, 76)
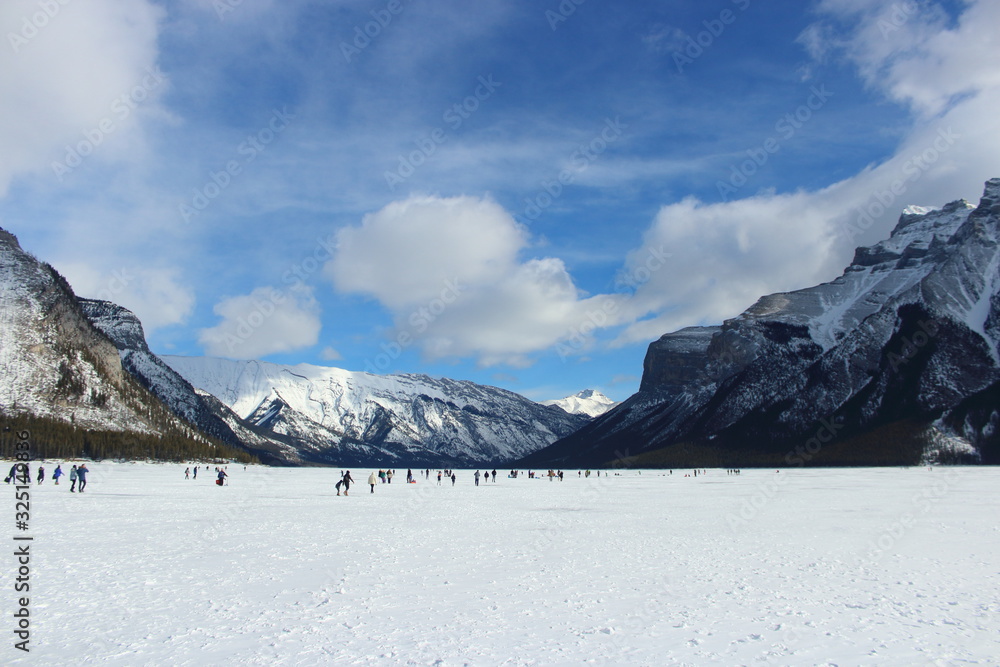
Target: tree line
point(53, 439)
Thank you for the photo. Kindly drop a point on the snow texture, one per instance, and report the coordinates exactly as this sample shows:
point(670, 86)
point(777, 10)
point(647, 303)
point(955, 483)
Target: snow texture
point(802, 567)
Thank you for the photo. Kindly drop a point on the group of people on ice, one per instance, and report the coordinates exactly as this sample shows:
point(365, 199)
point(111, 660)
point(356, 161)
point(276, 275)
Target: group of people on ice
point(220, 474)
point(486, 476)
point(76, 474)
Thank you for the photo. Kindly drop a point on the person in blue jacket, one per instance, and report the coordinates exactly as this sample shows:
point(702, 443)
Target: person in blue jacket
point(81, 474)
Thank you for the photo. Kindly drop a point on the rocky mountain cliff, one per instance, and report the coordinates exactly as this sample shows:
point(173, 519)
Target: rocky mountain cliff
point(893, 362)
point(353, 418)
point(59, 369)
point(210, 416)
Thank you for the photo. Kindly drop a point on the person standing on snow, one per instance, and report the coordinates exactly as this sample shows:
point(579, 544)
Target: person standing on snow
point(72, 479)
point(57, 473)
point(81, 474)
point(372, 480)
point(348, 480)
point(222, 477)
point(41, 474)
point(477, 478)
point(453, 479)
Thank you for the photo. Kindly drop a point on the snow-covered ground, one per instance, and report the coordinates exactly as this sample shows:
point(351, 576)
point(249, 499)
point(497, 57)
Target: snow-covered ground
point(801, 567)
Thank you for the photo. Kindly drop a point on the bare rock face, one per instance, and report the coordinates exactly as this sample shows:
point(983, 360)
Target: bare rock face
point(905, 341)
point(55, 362)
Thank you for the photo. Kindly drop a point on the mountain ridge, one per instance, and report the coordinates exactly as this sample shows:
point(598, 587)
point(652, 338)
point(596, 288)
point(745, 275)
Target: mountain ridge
point(396, 417)
point(907, 335)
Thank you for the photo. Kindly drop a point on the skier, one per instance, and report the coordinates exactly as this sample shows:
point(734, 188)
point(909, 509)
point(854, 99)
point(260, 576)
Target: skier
point(372, 480)
point(348, 480)
point(41, 474)
point(57, 473)
point(72, 479)
point(81, 474)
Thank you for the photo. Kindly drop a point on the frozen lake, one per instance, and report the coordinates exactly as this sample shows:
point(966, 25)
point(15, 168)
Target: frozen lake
point(801, 567)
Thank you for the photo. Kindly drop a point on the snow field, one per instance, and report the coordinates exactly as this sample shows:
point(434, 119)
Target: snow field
point(801, 567)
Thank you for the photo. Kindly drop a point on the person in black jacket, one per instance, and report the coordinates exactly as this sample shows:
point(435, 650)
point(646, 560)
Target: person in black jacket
point(348, 480)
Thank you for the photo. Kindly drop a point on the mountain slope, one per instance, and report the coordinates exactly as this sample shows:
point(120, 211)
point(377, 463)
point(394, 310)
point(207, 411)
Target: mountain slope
point(64, 376)
point(210, 416)
point(339, 416)
point(898, 345)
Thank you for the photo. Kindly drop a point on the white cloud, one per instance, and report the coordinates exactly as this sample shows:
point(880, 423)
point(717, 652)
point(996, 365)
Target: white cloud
point(330, 354)
point(911, 51)
point(448, 270)
point(407, 252)
point(63, 73)
point(156, 295)
point(263, 322)
point(724, 256)
point(701, 263)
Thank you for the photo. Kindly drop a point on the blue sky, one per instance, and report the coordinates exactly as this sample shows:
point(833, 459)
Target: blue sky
point(523, 194)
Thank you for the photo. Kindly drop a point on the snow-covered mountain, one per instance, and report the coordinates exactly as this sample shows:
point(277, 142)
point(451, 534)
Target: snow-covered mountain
point(210, 416)
point(58, 367)
point(887, 362)
point(589, 402)
point(347, 417)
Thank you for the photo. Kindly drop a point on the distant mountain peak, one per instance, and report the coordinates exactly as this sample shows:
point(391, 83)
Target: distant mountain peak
point(588, 402)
